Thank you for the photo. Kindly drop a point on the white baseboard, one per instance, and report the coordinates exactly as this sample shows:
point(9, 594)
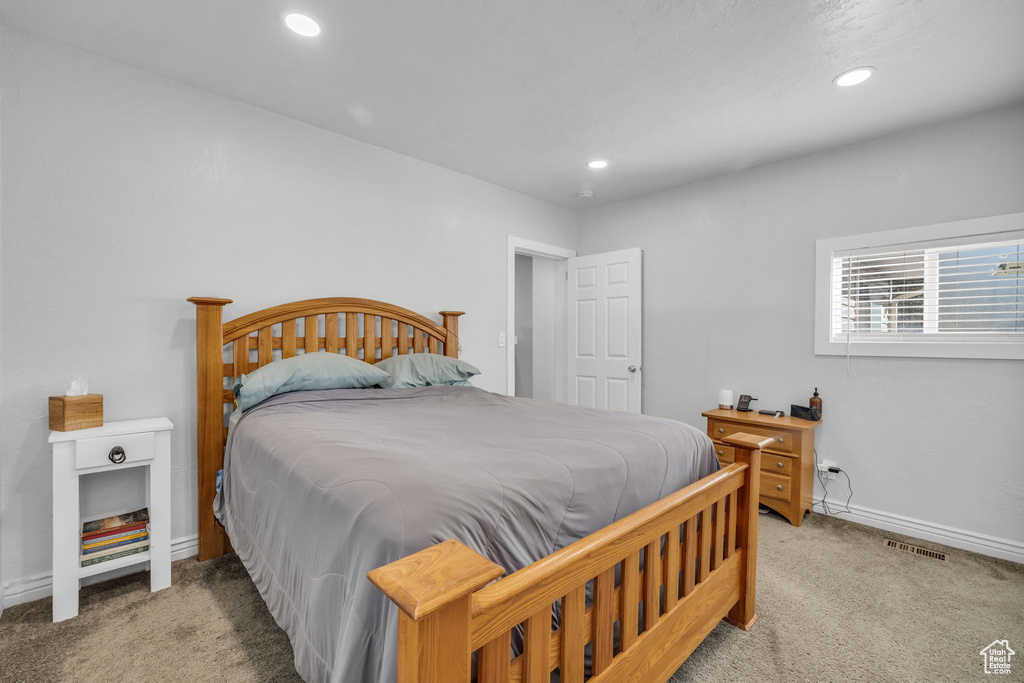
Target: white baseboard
point(41, 585)
point(183, 547)
point(946, 535)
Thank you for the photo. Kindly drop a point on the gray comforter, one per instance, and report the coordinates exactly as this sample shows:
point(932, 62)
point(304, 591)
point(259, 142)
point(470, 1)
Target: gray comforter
point(322, 486)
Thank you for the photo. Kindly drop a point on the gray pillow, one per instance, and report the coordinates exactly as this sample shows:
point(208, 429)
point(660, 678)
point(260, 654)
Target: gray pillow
point(424, 370)
point(304, 373)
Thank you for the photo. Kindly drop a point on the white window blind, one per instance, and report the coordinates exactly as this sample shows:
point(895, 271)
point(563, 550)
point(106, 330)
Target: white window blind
point(947, 290)
point(960, 289)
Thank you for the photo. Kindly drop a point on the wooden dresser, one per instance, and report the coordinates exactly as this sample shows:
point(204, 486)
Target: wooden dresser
point(787, 466)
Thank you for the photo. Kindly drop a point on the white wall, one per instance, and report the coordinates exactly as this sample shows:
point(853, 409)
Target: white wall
point(125, 193)
point(935, 447)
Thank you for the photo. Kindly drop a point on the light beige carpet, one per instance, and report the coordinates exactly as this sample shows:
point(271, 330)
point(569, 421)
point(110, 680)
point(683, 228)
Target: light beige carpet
point(834, 605)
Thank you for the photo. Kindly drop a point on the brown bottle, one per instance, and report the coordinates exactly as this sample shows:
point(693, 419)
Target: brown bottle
point(815, 403)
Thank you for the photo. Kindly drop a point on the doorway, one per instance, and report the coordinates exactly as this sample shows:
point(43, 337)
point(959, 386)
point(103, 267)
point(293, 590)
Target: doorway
point(537, 321)
point(578, 322)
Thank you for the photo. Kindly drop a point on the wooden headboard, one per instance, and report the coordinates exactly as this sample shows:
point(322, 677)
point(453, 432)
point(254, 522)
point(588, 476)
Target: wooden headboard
point(360, 328)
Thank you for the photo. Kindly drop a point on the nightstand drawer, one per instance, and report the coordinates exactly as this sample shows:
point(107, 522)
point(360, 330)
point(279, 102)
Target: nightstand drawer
point(726, 454)
point(97, 452)
point(783, 439)
point(779, 464)
point(770, 462)
point(776, 486)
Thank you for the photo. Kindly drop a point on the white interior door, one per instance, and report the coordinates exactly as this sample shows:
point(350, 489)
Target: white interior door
point(603, 306)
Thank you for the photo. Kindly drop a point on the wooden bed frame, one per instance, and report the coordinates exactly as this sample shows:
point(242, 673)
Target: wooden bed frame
point(667, 574)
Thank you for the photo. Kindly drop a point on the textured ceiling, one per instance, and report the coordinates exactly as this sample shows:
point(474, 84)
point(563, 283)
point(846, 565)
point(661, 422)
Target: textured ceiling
point(522, 93)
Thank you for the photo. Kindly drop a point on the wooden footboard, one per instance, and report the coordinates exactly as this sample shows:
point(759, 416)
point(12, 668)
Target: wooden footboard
point(666, 574)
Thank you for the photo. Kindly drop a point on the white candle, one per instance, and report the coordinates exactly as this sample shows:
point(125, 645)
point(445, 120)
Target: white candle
point(725, 399)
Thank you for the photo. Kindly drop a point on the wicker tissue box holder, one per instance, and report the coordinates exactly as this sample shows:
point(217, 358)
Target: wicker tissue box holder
point(68, 413)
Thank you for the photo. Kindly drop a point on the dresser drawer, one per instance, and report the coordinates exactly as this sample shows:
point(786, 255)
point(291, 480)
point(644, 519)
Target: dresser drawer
point(779, 464)
point(96, 452)
point(718, 429)
point(770, 462)
point(776, 486)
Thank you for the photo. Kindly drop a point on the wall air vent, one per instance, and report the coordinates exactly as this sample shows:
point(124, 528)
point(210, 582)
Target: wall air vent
point(907, 548)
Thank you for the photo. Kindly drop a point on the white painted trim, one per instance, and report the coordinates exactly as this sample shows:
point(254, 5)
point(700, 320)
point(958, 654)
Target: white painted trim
point(938, 533)
point(1006, 226)
point(531, 248)
point(926, 236)
point(183, 547)
point(518, 245)
point(41, 585)
point(995, 350)
point(122, 428)
point(29, 589)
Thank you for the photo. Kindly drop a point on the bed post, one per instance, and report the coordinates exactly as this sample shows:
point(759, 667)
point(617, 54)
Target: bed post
point(748, 452)
point(213, 541)
point(433, 590)
point(451, 326)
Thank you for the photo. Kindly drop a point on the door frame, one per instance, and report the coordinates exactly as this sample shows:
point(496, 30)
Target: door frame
point(518, 245)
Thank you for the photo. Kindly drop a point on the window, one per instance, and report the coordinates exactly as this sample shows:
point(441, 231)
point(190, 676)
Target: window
point(954, 290)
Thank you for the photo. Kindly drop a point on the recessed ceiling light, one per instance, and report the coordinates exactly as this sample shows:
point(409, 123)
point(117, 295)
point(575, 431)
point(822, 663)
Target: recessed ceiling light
point(854, 76)
point(597, 163)
point(302, 24)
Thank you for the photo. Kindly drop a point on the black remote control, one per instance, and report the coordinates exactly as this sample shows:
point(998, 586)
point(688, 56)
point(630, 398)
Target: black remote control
point(775, 413)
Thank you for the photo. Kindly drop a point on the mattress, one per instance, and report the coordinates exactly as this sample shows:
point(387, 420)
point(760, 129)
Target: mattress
point(320, 487)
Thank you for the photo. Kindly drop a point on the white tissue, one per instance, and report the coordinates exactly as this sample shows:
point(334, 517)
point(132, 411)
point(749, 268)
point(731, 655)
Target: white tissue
point(79, 387)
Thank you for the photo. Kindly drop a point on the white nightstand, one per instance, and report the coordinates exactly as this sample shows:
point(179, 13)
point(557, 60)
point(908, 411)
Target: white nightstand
point(146, 443)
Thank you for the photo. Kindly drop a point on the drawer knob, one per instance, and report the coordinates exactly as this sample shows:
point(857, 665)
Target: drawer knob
point(779, 439)
point(116, 455)
point(721, 430)
point(779, 464)
point(778, 487)
point(720, 452)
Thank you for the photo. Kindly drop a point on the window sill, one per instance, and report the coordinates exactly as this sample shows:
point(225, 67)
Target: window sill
point(937, 349)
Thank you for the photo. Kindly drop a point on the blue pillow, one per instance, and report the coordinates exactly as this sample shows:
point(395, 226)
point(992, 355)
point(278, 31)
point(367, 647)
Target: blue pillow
point(304, 373)
point(424, 370)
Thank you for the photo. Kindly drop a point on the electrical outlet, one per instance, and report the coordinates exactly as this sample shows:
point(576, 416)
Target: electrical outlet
point(823, 469)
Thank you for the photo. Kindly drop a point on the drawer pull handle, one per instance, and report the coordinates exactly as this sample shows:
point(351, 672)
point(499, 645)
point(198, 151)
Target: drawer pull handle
point(779, 439)
point(778, 487)
point(116, 455)
point(779, 464)
point(720, 452)
point(721, 430)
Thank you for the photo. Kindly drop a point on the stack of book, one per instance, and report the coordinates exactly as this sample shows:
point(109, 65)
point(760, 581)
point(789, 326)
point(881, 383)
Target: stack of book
point(112, 538)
